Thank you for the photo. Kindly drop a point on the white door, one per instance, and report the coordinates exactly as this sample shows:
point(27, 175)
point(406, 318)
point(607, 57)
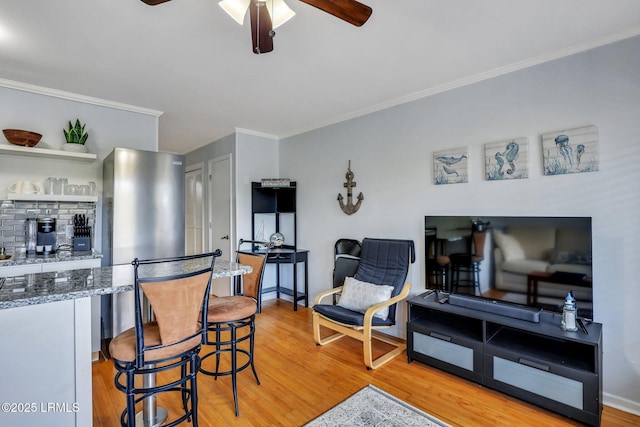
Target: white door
point(220, 218)
point(194, 211)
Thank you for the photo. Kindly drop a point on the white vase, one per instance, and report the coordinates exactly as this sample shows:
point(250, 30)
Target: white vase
point(76, 148)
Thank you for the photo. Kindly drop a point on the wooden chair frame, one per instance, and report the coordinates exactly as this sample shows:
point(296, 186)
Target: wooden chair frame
point(364, 333)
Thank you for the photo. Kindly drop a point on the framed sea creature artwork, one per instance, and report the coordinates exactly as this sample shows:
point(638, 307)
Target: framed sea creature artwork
point(451, 166)
point(507, 159)
point(570, 151)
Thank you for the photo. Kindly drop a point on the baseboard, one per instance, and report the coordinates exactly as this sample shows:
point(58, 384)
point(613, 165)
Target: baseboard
point(621, 403)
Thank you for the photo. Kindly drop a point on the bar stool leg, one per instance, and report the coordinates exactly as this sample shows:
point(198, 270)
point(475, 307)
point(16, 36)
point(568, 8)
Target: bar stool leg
point(194, 390)
point(218, 346)
point(251, 346)
point(233, 368)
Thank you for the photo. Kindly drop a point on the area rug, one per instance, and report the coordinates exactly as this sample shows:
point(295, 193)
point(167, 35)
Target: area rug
point(374, 407)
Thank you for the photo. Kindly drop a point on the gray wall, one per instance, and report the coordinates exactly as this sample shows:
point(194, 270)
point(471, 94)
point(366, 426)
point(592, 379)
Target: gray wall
point(391, 154)
point(254, 156)
point(201, 157)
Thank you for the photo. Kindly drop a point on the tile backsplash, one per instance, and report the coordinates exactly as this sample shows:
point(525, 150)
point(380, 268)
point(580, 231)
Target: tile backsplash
point(13, 215)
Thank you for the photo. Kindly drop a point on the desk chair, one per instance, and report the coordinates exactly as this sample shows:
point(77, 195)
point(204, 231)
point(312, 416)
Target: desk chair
point(346, 254)
point(346, 260)
point(170, 342)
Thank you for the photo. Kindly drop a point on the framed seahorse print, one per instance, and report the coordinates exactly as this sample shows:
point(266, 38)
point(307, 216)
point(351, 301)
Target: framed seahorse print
point(508, 159)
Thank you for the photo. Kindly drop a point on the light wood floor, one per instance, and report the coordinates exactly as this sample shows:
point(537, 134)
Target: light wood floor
point(300, 380)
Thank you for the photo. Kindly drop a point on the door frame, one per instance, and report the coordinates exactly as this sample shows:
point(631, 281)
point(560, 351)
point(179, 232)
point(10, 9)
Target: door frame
point(211, 164)
point(193, 168)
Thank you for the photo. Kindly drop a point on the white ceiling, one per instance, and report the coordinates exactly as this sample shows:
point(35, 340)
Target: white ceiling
point(191, 61)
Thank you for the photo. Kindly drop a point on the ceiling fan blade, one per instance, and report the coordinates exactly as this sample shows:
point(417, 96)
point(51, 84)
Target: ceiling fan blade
point(261, 27)
point(348, 10)
point(154, 2)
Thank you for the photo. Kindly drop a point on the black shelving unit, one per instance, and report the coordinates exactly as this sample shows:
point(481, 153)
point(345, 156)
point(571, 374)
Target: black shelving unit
point(273, 209)
point(537, 362)
point(275, 202)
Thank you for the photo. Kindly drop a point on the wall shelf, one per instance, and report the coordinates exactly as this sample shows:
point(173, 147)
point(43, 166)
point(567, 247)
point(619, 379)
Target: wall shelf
point(18, 150)
point(51, 198)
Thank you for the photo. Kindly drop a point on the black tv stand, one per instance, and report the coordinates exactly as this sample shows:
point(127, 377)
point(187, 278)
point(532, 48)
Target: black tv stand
point(537, 362)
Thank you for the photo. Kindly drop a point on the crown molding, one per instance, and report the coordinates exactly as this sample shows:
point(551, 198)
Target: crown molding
point(520, 65)
point(40, 90)
point(256, 133)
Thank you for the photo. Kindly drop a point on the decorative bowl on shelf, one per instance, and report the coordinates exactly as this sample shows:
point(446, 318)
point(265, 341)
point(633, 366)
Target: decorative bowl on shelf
point(22, 137)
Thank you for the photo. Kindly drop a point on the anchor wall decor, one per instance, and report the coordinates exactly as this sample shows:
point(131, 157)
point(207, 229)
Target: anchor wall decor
point(349, 208)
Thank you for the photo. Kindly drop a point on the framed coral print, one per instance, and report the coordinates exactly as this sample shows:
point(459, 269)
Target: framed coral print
point(451, 166)
point(570, 151)
point(507, 159)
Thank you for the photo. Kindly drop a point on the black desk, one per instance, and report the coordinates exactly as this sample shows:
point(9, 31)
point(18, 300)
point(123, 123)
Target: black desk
point(289, 255)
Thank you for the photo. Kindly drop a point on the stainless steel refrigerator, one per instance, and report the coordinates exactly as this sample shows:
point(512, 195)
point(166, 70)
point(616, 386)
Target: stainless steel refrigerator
point(143, 216)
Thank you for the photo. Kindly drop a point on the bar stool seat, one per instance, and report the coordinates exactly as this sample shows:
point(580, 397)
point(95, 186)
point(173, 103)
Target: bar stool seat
point(123, 346)
point(224, 309)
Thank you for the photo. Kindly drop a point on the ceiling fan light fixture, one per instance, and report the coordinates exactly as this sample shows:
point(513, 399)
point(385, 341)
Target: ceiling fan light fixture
point(235, 9)
point(279, 12)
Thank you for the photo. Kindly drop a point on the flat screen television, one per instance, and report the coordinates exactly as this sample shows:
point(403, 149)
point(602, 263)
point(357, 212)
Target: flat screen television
point(533, 261)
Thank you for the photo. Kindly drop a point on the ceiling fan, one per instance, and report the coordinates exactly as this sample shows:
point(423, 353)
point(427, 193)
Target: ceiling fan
point(263, 20)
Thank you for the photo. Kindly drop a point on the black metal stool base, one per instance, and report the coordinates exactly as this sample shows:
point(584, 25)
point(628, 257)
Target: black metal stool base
point(231, 346)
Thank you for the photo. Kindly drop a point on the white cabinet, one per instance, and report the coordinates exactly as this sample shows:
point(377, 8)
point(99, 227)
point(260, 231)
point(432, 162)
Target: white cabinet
point(47, 267)
point(45, 365)
point(96, 312)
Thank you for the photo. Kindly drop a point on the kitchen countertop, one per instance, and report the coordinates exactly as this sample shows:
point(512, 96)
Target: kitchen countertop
point(41, 288)
point(22, 258)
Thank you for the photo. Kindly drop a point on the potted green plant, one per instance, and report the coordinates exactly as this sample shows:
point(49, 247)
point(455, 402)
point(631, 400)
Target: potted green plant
point(76, 137)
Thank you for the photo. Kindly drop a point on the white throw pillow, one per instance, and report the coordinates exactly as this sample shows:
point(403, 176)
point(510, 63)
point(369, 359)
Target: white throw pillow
point(359, 296)
point(509, 246)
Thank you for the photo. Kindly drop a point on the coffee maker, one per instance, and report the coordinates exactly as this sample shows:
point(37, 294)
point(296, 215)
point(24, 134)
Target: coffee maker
point(46, 243)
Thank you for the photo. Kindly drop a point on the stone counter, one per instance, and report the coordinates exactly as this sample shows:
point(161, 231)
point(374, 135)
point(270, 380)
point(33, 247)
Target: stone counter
point(40, 288)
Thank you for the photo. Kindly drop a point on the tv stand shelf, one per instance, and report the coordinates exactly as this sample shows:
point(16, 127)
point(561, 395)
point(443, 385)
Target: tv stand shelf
point(534, 361)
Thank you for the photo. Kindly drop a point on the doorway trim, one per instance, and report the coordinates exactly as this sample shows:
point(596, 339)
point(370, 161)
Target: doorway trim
point(194, 168)
point(211, 164)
